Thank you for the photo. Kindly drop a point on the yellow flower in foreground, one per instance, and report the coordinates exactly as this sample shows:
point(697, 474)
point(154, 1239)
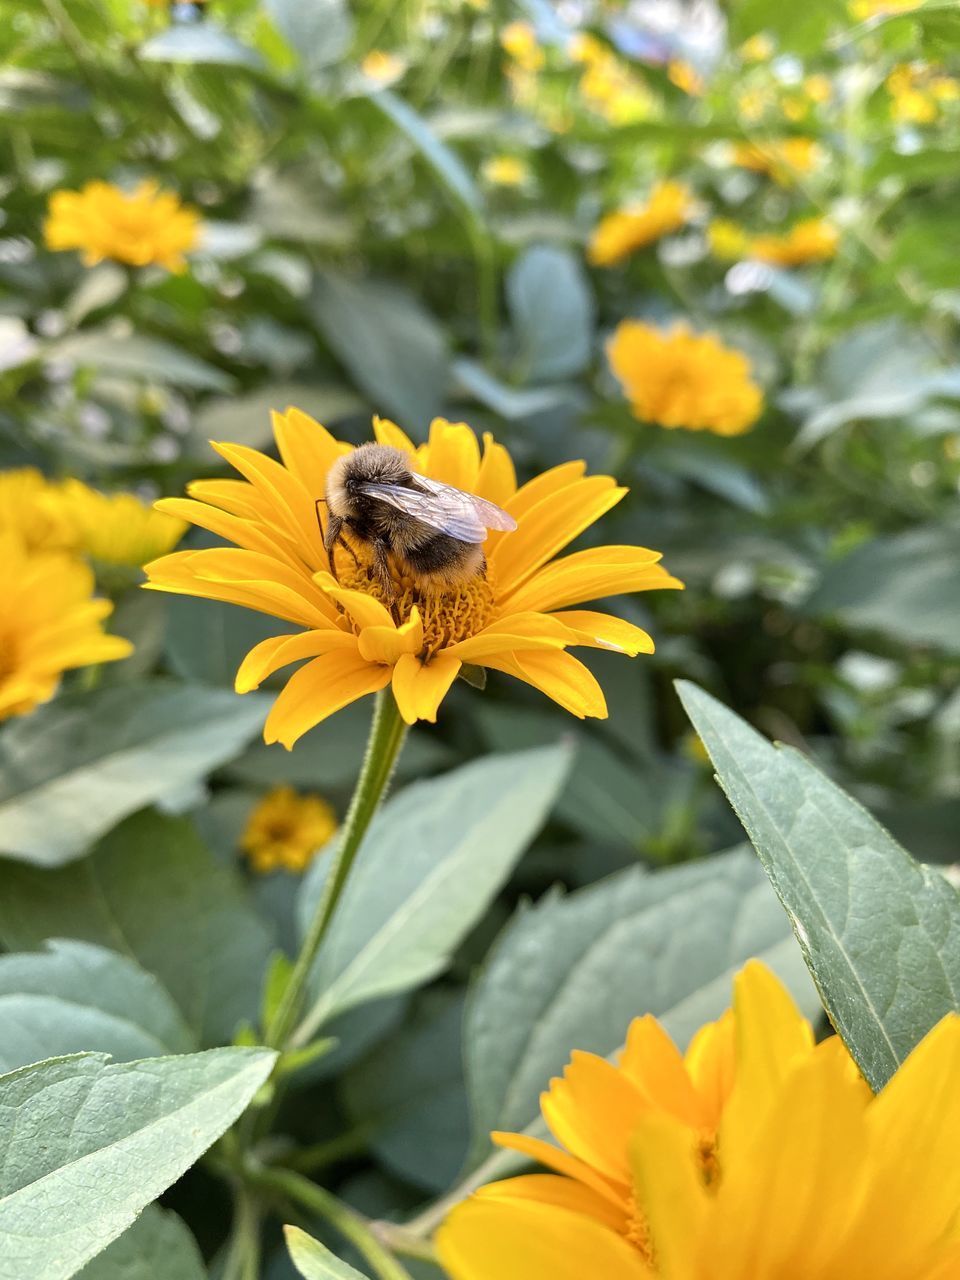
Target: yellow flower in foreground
point(810, 240)
point(117, 528)
point(619, 234)
point(781, 159)
point(49, 623)
point(505, 171)
point(520, 618)
point(682, 379)
point(285, 830)
point(140, 227)
point(757, 1156)
point(383, 68)
point(31, 508)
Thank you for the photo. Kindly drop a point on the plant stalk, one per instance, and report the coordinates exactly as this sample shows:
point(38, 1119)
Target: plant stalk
point(383, 749)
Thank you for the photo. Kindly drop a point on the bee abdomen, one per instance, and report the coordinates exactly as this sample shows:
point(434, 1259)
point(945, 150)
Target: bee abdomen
point(442, 560)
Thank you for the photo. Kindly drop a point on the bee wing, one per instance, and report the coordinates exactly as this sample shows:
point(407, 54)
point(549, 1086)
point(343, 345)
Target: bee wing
point(449, 510)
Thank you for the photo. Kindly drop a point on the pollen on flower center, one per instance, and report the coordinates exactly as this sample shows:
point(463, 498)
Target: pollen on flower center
point(449, 614)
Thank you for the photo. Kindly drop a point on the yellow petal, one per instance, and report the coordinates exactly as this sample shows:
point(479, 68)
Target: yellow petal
point(516, 631)
point(308, 450)
point(549, 527)
point(671, 1195)
point(562, 1162)
point(654, 1064)
point(591, 575)
point(365, 610)
point(236, 496)
point(544, 484)
point(279, 651)
point(497, 479)
point(489, 1238)
point(711, 1064)
point(560, 676)
point(243, 532)
point(291, 507)
point(185, 573)
point(387, 432)
point(388, 643)
point(591, 1109)
point(420, 687)
point(453, 454)
point(606, 631)
point(565, 1193)
point(317, 690)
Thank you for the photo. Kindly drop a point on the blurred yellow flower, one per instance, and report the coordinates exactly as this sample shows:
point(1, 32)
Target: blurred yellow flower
point(117, 528)
point(757, 1156)
point(285, 830)
point(383, 68)
point(781, 159)
point(810, 240)
point(682, 379)
point(519, 618)
point(818, 88)
point(586, 48)
point(864, 9)
point(613, 91)
point(142, 227)
point(519, 40)
point(685, 77)
point(917, 91)
point(505, 171)
point(31, 507)
point(49, 623)
point(759, 48)
point(669, 206)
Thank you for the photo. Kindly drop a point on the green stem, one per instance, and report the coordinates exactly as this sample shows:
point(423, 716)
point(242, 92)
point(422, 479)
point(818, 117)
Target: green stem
point(323, 1154)
point(348, 1222)
point(383, 748)
point(243, 1257)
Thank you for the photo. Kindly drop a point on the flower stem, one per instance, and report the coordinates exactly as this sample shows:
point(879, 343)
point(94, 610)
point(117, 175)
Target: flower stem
point(383, 748)
point(347, 1221)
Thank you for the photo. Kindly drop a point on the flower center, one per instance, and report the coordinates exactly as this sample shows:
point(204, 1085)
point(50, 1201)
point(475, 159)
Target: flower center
point(449, 614)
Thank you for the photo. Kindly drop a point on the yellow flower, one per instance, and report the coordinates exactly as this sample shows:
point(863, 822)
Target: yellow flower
point(519, 618)
point(781, 159)
point(682, 379)
point(615, 93)
point(810, 240)
point(140, 227)
point(616, 236)
point(757, 1156)
point(818, 88)
point(285, 830)
point(117, 528)
point(383, 68)
point(31, 508)
point(864, 9)
point(519, 40)
point(587, 49)
point(505, 171)
point(685, 77)
point(759, 48)
point(49, 623)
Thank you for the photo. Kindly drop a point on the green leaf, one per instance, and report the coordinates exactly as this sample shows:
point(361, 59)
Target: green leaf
point(798, 28)
point(395, 351)
point(553, 313)
point(666, 943)
point(153, 892)
point(509, 402)
point(905, 586)
point(246, 419)
point(409, 1093)
point(430, 864)
point(207, 640)
point(879, 931)
point(314, 1260)
point(159, 1246)
point(79, 765)
point(319, 32)
point(86, 1144)
point(148, 359)
point(74, 996)
point(444, 161)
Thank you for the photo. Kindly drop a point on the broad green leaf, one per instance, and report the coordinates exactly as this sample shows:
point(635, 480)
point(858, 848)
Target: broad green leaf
point(879, 931)
point(409, 1093)
point(445, 162)
point(206, 640)
point(246, 419)
point(905, 586)
point(73, 997)
point(509, 402)
point(150, 359)
point(76, 767)
point(114, 1136)
point(666, 943)
point(159, 1246)
point(318, 32)
point(395, 351)
point(314, 1260)
point(553, 313)
point(430, 864)
point(151, 891)
point(797, 28)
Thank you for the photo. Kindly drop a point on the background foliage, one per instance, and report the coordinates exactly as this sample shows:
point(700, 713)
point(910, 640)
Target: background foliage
point(361, 255)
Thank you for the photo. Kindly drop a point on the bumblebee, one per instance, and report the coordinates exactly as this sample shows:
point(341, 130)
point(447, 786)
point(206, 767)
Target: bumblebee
point(434, 532)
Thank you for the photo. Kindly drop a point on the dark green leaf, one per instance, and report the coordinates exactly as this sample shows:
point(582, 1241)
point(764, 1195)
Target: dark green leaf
point(553, 313)
point(158, 1246)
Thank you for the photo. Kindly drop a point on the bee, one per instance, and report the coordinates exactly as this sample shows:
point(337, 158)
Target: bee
point(433, 531)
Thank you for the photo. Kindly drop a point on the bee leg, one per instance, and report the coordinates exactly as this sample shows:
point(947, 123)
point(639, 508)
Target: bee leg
point(333, 535)
point(381, 567)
